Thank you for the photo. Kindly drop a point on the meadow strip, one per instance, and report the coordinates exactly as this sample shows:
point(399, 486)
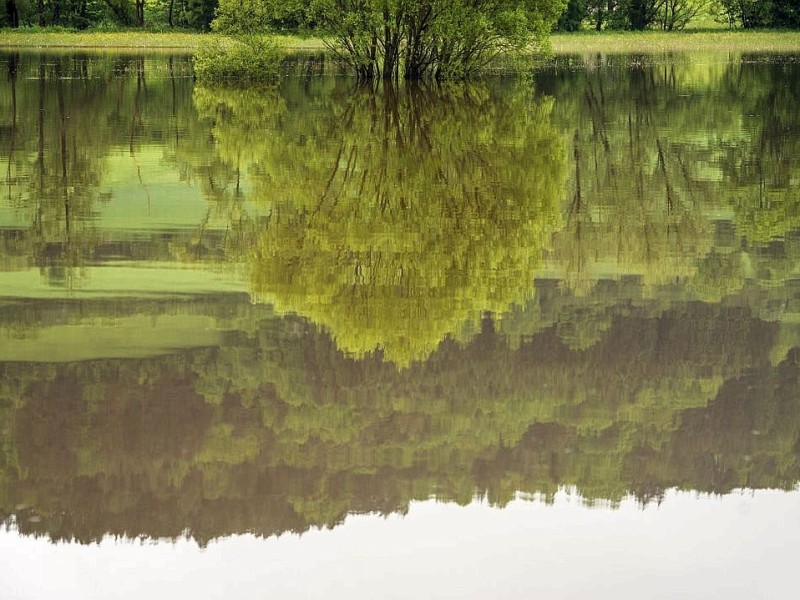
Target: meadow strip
point(562, 43)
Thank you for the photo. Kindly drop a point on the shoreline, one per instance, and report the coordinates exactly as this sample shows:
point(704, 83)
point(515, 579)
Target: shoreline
point(562, 43)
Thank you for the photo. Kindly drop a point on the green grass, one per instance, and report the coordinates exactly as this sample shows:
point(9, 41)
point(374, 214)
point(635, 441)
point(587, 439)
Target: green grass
point(696, 40)
point(22, 38)
point(138, 40)
point(563, 43)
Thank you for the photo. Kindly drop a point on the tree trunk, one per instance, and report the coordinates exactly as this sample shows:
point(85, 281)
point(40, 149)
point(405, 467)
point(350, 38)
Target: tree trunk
point(83, 14)
point(120, 10)
point(12, 14)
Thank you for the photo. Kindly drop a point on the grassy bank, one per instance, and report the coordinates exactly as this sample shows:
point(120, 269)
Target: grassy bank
point(572, 43)
point(688, 41)
point(127, 40)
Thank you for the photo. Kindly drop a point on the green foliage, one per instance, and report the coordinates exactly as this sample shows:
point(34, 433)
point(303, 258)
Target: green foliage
point(259, 16)
point(197, 14)
point(247, 58)
point(750, 14)
point(250, 57)
point(573, 16)
point(638, 14)
point(677, 14)
point(109, 15)
point(396, 224)
point(169, 14)
point(410, 38)
point(785, 13)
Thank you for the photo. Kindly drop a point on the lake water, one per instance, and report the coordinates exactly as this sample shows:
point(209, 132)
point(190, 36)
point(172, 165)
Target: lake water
point(521, 336)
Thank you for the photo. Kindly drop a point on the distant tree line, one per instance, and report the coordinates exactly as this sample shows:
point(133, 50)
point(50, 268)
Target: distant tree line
point(672, 15)
point(81, 14)
point(293, 14)
point(760, 13)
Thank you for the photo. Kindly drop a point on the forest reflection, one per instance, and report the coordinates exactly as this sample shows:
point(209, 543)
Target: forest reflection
point(465, 292)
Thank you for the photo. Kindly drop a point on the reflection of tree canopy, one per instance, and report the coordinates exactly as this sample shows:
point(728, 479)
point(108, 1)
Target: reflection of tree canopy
point(761, 170)
point(53, 164)
point(396, 216)
point(278, 430)
point(62, 117)
point(665, 155)
point(631, 386)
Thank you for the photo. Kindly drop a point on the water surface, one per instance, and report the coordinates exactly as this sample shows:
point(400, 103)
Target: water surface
point(230, 312)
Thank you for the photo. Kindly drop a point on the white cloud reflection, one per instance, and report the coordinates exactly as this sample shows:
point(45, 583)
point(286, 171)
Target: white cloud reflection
point(737, 546)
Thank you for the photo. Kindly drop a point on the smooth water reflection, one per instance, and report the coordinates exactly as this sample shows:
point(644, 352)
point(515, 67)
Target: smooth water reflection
point(229, 311)
point(688, 547)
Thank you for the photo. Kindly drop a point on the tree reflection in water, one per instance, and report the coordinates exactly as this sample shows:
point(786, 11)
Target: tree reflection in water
point(390, 223)
point(656, 349)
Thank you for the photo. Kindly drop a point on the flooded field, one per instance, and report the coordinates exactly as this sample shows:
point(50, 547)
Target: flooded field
point(478, 340)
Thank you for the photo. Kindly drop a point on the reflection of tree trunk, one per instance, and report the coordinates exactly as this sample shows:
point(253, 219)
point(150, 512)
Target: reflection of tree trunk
point(136, 122)
point(135, 116)
point(63, 142)
point(40, 153)
point(662, 163)
point(760, 169)
point(13, 67)
point(347, 119)
point(202, 231)
point(238, 190)
point(38, 217)
point(174, 100)
point(635, 150)
point(577, 201)
point(576, 210)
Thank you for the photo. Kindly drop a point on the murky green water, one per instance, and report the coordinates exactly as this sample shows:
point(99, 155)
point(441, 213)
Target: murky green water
point(260, 311)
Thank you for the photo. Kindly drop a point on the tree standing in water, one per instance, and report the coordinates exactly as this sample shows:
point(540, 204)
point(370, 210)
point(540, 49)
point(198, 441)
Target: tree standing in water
point(411, 39)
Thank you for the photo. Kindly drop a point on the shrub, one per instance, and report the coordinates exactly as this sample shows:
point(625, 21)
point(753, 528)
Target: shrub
point(246, 58)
